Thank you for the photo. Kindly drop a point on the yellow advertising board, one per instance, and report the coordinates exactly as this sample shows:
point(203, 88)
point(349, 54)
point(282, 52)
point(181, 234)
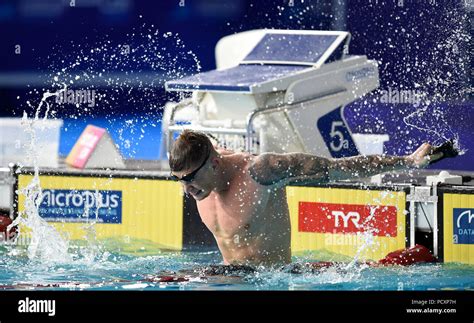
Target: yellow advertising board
point(348, 221)
point(458, 229)
point(125, 207)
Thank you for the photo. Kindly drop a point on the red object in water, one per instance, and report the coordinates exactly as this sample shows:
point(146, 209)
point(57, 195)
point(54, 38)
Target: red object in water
point(403, 257)
point(409, 256)
point(5, 221)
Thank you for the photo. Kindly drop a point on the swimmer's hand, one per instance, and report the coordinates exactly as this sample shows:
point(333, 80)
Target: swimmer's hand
point(426, 154)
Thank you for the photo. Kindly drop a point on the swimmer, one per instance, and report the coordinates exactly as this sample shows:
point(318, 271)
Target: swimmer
point(241, 198)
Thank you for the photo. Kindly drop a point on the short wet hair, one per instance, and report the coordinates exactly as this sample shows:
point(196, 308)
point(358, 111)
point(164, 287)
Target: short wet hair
point(189, 149)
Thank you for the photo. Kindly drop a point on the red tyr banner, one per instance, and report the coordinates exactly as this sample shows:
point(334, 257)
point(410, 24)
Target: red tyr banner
point(379, 220)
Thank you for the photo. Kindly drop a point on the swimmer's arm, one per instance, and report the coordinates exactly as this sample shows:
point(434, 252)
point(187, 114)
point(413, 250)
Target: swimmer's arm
point(299, 168)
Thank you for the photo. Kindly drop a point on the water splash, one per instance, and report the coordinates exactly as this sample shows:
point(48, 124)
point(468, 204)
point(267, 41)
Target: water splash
point(440, 129)
point(46, 243)
point(87, 80)
point(116, 81)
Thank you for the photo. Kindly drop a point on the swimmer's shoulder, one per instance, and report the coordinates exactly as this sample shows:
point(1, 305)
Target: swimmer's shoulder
point(252, 164)
point(248, 158)
point(224, 151)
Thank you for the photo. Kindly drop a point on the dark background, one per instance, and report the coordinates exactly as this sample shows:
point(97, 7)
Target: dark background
point(422, 45)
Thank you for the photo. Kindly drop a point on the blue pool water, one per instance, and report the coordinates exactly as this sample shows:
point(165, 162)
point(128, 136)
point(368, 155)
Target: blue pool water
point(105, 268)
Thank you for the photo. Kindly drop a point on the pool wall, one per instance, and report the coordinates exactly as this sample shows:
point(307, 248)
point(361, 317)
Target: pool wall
point(456, 213)
point(346, 219)
point(145, 209)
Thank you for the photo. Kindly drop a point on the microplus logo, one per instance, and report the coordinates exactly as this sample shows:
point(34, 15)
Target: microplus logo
point(463, 226)
point(81, 205)
point(37, 306)
point(82, 198)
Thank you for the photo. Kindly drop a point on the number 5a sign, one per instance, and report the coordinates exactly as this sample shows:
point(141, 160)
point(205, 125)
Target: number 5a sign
point(336, 135)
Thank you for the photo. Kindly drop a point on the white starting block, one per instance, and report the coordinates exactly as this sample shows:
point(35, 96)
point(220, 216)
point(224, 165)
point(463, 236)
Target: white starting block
point(276, 90)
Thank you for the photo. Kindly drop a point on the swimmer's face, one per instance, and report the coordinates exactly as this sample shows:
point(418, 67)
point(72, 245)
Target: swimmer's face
point(198, 181)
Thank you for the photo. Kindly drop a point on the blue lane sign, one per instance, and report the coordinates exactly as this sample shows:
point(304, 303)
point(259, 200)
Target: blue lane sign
point(463, 226)
point(81, 206)
point(336, 135)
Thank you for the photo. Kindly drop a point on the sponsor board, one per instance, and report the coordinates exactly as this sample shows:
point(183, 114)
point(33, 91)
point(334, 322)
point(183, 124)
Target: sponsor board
point(457, 221)
point(136, 211)
point(347, 221)
point(81, 206)
point(463, 226)
point(378, 220)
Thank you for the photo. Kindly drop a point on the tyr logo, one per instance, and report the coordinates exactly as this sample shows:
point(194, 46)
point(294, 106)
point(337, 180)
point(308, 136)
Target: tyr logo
point(353, 216)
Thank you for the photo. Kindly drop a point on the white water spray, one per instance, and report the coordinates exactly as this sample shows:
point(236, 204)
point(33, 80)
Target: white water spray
point(46, 243)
